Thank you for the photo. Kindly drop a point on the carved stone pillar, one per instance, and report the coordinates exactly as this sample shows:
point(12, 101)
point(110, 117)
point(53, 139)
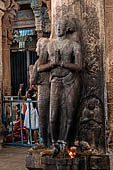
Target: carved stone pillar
point(89, 18)
point(1, 64)
point(109, 61)
point(7, 36)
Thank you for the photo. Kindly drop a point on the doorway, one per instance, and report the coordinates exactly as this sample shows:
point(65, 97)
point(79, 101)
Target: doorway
point(20, 61)
point(22, 54)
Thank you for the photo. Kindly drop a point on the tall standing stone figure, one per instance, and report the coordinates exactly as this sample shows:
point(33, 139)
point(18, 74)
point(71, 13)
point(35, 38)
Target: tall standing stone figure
point(42, 80)
point(65, 56)
point(64, 63)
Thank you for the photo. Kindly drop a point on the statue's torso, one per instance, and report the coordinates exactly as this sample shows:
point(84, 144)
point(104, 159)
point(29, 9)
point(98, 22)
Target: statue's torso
point(65, 47)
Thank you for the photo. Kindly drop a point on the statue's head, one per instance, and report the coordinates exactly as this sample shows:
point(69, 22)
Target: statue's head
point(41, 45)
point(60, 27)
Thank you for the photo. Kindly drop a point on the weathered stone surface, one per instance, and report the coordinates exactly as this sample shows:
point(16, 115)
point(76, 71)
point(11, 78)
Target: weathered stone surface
point(35, 161)
point(99, 162)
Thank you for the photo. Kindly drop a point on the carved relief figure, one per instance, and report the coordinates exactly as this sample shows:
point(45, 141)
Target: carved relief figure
point(91, 124)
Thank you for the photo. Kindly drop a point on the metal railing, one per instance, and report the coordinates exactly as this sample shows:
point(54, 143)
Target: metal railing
point(12, 104)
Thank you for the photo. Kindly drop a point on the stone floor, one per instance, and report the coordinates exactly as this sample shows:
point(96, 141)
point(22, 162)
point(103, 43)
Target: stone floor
point(13, 158)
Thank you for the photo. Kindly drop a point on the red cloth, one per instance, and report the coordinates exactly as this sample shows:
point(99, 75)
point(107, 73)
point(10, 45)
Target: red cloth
point(16, 133)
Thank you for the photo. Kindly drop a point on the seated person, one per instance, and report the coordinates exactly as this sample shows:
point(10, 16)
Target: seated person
point(17, 128)
point(17, 125)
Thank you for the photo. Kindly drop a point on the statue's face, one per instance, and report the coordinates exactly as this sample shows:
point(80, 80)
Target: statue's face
point(91, 105)
point(60, 28)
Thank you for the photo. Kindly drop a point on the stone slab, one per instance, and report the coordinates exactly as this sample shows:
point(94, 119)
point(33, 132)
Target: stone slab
point(91, 162)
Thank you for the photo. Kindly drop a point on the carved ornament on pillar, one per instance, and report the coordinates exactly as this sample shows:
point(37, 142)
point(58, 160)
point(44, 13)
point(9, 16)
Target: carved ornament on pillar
point(92, 51)
point(8, 19)
point(42, 21)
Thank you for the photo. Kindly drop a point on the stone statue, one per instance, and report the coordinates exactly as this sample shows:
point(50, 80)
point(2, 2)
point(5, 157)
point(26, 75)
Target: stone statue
point(65, 56)
point(42, 80)
point(64, 63)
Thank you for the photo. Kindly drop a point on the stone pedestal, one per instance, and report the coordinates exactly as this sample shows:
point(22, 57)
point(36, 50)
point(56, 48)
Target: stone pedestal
point(35, 162)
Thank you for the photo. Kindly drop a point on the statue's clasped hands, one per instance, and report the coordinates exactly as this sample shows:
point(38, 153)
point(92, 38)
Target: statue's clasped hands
point(55, 63)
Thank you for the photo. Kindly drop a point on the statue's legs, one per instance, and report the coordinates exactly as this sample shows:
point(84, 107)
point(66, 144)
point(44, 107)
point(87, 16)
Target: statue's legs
point(64, 98)
point(72, 95)
point(43, 108)
point(55, 96)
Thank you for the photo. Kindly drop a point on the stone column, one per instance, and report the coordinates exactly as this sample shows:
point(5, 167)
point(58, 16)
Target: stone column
point(109, 62)
point(7, 36)
point(6, 68)
point(2, 8)
point(1, 64)
point(89, 15)
point(89, 18)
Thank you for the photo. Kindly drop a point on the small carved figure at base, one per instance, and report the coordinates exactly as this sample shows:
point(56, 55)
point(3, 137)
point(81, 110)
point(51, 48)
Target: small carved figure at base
point(92, 124)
